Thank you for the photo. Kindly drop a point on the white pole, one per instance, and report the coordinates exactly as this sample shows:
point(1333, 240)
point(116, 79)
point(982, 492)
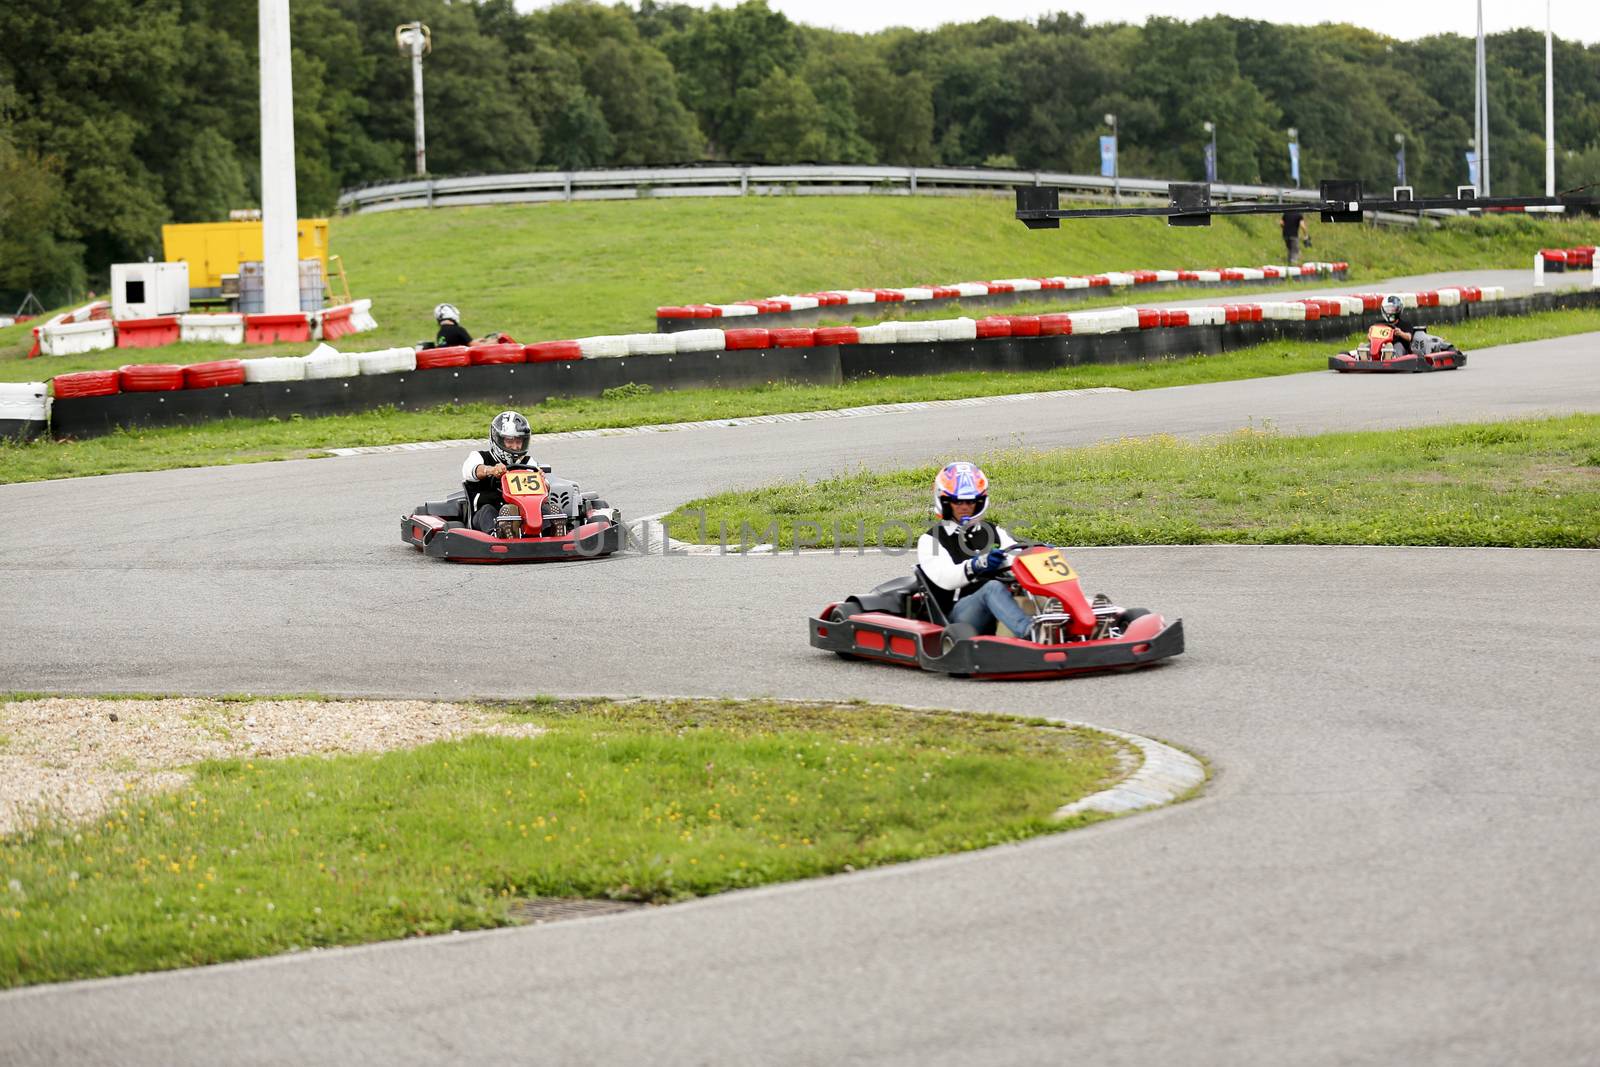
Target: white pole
point(416, 93)
point(1549, 107)
point(280, 249)
point(1484, 98)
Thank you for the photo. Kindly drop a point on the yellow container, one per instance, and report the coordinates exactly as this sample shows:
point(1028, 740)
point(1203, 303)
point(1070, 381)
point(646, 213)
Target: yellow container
point(213, 249)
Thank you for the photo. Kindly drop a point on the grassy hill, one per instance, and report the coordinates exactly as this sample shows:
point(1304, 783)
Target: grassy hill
point(564, 270)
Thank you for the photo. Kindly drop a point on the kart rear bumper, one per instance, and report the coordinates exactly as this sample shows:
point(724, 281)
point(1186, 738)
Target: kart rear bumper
point(443, 539)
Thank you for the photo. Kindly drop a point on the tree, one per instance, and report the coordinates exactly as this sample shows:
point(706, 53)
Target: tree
point(786, 122)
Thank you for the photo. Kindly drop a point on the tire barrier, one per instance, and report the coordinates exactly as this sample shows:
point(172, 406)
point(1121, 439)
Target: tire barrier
point(150, 378)
point(96, 402)
point(387, 361)
point(500, 352)
point(452, 356)
point(1564, 259)
point(273, 369)
point(548, 352)
point(86, 383)
point(809, 308)
point(212, 375)
point(325, 362)
point(24, 410)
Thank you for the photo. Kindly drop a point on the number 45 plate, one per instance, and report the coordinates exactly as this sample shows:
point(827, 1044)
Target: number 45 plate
point(1047, 567)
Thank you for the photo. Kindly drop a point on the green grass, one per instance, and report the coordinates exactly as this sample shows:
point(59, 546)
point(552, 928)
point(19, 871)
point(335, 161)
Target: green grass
point(254, 440)
point(651, 801)
point(1524, 484)
point(542, 272)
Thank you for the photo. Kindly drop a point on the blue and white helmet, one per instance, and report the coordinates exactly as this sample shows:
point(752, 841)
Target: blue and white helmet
point(960, 481)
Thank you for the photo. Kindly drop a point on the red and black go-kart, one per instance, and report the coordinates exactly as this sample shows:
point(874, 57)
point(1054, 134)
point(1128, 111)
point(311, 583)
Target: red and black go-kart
point(1378, 354)
point(553, 519)
point(901, 622)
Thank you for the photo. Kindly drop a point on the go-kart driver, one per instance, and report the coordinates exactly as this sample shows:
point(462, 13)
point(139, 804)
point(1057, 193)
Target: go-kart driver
point(1408, 339)
point(509, 433)
point(451, 332)
point(964, 586)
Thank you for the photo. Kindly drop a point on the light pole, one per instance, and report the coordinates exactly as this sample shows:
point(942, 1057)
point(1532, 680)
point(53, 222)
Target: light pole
point(280, 283)
point(1116, 161)
point(1211, 153)
point(1294, 155)
point(1482, 120)
point(414, 39)
point(1549, 108)
point(1400, 159)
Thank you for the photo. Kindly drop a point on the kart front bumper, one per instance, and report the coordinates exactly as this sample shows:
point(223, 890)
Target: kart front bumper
point(907, 642)
point(1348, 362)
point(451, 541)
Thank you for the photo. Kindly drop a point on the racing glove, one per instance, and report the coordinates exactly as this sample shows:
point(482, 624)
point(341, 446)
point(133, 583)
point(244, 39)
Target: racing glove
point(989, 564)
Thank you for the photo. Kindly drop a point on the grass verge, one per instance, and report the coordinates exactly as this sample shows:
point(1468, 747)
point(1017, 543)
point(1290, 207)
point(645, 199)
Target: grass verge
point(541, 272)
point(647, 800)
point(256, 440)
point(1524, 484)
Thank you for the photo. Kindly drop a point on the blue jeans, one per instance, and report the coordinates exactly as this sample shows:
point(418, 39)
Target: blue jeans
point(989, 604)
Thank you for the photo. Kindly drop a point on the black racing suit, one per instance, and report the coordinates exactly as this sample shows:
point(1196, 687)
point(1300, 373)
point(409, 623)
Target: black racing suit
point(484, 497)
point(1402, 347)
point(451, 333)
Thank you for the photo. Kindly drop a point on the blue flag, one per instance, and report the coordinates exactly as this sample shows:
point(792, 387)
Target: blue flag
point(1211, 162)
point(1472, 170)
point(1294, 161)
point(1400, 167)
point(1108, 155)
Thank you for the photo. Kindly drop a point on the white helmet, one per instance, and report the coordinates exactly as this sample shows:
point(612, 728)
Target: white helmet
point(1391, 308)
point(446, 311)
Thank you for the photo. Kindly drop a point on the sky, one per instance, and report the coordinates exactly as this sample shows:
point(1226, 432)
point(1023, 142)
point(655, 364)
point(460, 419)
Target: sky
point(1571, 19)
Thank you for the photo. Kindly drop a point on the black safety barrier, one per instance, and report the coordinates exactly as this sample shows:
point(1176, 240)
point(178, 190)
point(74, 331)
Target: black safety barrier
point(957, 305)
point(528, 384)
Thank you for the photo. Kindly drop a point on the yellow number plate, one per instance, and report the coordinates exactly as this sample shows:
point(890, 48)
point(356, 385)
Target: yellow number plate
point(524, 483)
point(1047, 567)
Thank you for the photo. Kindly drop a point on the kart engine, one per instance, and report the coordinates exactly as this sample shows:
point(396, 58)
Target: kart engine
point(1052, 626)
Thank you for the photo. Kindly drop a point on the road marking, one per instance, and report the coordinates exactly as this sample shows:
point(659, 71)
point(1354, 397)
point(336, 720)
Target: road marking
point(747, 420)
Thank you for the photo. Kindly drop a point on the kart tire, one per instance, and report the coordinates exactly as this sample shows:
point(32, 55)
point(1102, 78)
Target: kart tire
point(955, 633)
point(844, 610)
point(1128, 616)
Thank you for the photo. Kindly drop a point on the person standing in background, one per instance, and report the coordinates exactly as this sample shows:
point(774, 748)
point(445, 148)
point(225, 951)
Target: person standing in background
point(1294, 231)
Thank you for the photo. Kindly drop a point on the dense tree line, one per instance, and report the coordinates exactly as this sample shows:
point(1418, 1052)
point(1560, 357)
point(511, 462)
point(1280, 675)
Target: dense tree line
point(119, 115)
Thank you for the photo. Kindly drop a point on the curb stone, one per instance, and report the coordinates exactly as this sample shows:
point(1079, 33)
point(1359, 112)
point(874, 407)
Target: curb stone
point(1165, 775)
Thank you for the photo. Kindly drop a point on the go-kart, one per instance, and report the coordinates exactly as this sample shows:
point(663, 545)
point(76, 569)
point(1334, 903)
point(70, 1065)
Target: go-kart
point(901, 622)
point(1381, 354)
point(543, 519)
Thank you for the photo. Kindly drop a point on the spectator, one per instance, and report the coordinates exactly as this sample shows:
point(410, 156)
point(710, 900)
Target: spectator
point(1294, 231)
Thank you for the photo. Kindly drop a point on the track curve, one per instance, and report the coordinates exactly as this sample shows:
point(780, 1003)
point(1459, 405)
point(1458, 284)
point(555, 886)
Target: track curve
point(1393, 863)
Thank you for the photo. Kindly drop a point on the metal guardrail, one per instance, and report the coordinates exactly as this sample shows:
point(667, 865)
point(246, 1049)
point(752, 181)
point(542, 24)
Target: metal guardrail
point(757, 180)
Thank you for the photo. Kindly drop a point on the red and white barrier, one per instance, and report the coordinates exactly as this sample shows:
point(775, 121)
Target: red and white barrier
point(326, 362)
point(226, 327)
point(73, 338)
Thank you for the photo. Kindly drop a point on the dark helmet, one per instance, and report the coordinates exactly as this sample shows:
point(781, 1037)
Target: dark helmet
point(1391, 308)
point(508, 437)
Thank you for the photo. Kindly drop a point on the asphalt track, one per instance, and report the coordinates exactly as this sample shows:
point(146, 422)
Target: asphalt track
point(1395, 861)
